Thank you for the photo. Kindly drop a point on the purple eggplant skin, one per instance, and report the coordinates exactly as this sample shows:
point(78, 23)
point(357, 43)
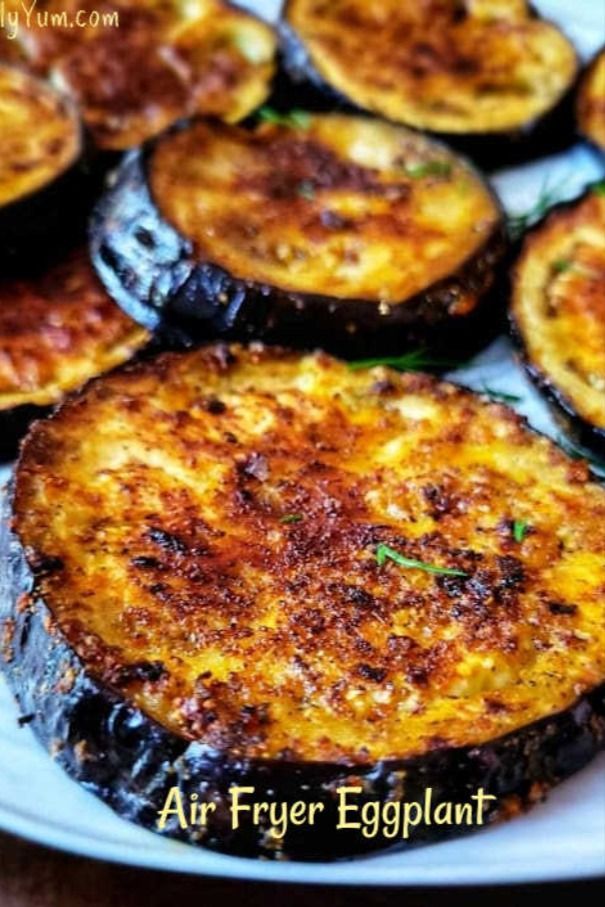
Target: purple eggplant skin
point(103, 741)
point(299, 84)
point(152, 273)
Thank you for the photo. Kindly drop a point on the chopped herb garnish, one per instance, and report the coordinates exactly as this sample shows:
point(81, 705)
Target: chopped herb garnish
point(562, 265)
point(519, 223)
point(430, 168)
point(599, 189)
point(520, 529)
point(384, 553)
point(408, 362)
point(306, 189)
point(293, 119)
point(500, 396)
point(291, 518)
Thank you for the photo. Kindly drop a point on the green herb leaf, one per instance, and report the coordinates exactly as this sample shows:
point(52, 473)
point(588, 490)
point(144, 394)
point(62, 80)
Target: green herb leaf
point(293, 119)
point(384, 553)
point(519, 223)
point(430, 168)
point(500, 396)
point(520, 529)
point(408, 362)
point(599, 189)
point(306, 189)
point(562, 265)
point(291, 518)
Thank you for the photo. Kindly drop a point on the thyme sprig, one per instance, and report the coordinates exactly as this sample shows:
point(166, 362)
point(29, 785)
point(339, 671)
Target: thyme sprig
point(384, 553)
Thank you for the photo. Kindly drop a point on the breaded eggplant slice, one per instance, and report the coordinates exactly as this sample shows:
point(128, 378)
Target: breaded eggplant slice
point(42, 172)
point(252, 567)
point(333, 231)
point(483, 69)
point(558, 313)
point(591, 102)
point(154, 62)
point(58, 329)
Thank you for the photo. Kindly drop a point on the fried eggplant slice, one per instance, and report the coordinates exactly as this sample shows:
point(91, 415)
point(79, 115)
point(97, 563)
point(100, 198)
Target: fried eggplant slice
point(333, 231)
point(136, 68)
point(58, 329)
point(591, 102)
point(558, 313)
point(253, 567)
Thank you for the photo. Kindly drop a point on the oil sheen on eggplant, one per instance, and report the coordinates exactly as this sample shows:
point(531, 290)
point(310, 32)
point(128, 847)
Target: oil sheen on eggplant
point(58, 328)
point(194, 597)
point(558, 313)
point(43, 178)
point(158, 62)
point(491, 76)
point(591, 102)
point(332, 230)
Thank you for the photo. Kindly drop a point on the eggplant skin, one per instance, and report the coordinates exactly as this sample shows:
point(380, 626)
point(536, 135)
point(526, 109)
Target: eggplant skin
point(152, 273)
point(300, 83)
point(584, 432)
point(131, 762)
point(591, 103)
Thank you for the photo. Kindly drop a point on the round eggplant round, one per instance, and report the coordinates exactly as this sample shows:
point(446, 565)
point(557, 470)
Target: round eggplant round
point(58, 328)
point(135, 69)
point(494, 79)
point(242, 567)
point(591, 102)
point(333, 231)
point(558, 313)
point(45, 181)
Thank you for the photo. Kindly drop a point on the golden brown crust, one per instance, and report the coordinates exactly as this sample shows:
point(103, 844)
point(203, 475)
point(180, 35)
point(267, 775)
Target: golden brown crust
point(558, 304)
point(204, 528)
point(58, 330)
point(342, 206)
point(166, 60)
point(39, 135)
point(444, 65)
point(591, 102)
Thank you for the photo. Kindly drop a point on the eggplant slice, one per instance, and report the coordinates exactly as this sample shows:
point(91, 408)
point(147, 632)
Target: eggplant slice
point(57, 330)
point(558, 313)
point(591, 102)
point(480, 69)
point(43, 176)
point(162, 62)
point(330, 230)
point(254, 567)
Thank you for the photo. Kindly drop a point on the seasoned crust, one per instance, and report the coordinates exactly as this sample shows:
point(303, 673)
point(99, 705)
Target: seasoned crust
point(57, 330)
point(591, 102)
point(39, 135)
point(210, 553)
point(558, 306)
point(477, 66)
point(166, 60)
point(341, 206)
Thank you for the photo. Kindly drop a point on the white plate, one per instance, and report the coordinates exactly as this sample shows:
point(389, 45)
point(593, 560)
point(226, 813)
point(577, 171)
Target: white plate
point(561, 839)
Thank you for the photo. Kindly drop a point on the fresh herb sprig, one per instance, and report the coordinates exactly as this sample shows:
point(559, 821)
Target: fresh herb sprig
point(384, 553)
point(500, 396)
point(292, 119)
point(408, 362)
point(519, 223)
point(520, 530)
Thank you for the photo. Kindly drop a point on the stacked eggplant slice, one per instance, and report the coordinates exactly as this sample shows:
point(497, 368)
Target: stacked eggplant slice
point(591, 102)
point(243, 561)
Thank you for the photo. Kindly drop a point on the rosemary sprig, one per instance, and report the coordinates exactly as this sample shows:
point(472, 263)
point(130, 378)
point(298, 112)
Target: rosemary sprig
point(293, 119)
point(520, 529)
point(408, 362)
point(384, 553)
point(500, 396)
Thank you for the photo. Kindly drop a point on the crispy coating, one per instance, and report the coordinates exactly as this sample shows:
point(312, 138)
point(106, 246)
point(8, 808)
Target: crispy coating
point(338, 205)
point(167, 59)
point(558, 304)
point(39, 135)
point(453, 66)
point(205, 526)
point(57, 330)
point(591, 102)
